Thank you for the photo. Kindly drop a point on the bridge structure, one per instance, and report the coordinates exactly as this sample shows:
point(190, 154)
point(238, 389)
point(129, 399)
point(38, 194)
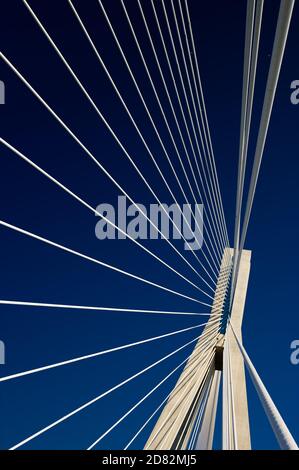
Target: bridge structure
point(186, 417)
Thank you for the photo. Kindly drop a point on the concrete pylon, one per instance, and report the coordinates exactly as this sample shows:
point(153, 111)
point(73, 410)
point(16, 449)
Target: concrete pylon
point(239, 395)
point(206, 434)
point(177, 420)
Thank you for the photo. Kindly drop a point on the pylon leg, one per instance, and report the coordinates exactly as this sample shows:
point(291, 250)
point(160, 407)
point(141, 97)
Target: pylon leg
point(239, 393)
point(176, 422)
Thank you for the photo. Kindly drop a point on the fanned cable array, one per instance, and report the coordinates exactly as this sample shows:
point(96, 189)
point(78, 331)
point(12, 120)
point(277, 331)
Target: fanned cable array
point(184, 165)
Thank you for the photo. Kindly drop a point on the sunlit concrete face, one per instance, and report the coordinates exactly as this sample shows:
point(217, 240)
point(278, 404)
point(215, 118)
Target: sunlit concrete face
point(176, 422)
point(237, 364)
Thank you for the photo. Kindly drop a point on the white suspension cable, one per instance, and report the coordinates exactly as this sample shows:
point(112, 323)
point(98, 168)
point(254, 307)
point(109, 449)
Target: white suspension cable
point(252, 38)
point(95, 211)
point(97, 398)
point(149, 115)
point(218, 243)
point(250, 19)
point(50, 40)
point(133, 120)
point(282, 433)
point(171, 424)
point(101, 263)
point(188, 106)
point(96, 354)
point(188, 376)
point(212, 160)
point(204, 346)
point(98, 163)
point(174, 114)
point(214, 204)
point(187, 103)
point(282, 29)
point(133, 408)
point(102, 309)
point(159, 103)
point(209, 166)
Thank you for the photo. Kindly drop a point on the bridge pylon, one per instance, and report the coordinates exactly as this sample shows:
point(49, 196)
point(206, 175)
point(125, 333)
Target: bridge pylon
point(188, 418)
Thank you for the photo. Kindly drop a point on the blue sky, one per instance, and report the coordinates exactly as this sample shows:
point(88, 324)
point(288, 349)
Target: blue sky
point(34, 272)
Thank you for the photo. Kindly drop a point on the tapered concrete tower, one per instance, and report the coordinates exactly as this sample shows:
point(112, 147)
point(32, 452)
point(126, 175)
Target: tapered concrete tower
point(188, 418)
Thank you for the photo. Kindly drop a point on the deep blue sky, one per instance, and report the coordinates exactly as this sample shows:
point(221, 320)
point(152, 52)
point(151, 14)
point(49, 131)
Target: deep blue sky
point(33, 271)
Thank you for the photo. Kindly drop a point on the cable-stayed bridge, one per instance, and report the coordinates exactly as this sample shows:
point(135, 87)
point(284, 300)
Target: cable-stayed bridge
point(218, 273)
